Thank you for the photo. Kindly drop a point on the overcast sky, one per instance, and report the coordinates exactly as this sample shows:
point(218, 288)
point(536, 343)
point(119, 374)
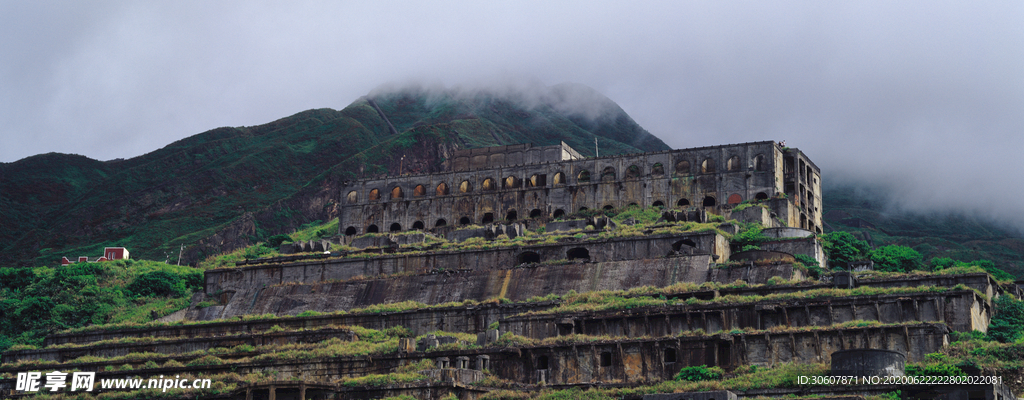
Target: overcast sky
point(924, 98)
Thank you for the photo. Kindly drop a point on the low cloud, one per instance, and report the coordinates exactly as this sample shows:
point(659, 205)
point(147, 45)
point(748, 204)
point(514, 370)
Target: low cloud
point(923, 99)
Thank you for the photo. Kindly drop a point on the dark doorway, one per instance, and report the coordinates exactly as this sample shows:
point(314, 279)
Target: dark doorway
point(417, 225)
point(440, 222)
point(529, 257)
point(577, 253)
point(372, 229)
point(350, 231)
point(395, 227)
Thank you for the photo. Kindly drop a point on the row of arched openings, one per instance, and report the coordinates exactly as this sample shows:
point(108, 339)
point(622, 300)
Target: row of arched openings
point(512, 215)
point(608, 174)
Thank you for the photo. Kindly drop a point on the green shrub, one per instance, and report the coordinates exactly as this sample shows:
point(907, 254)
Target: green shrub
point(164, 283)
point(813, 269)
point(1007, 324)
point(934, 370)
point(699, 373)
point(276, 240)
point(843, 247)
point(896, 258)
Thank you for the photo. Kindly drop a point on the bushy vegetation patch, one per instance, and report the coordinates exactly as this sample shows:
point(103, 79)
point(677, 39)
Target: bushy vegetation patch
point(40, 301)
point(699, 373)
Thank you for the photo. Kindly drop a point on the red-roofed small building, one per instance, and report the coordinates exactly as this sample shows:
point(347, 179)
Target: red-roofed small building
point(109, 253)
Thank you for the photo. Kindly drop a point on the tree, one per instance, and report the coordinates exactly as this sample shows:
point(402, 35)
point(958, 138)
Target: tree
point(896, 258)
point(843, 247)
point(1007, 324)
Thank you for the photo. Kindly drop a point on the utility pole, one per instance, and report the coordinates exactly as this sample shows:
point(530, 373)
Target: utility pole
point(401, 166)
point(179, 254)
point(597, 153)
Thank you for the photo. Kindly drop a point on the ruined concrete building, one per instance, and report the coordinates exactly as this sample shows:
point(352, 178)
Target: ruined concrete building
point(526, 270)
point(507, 183)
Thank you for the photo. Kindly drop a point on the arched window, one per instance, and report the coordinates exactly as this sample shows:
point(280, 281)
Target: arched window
point(465, 187)
point(759, 164)
point(539, 180)
point(760, 196)
point(395, 227)
point(559, 179)
point(633, 172)
point(677, 246)
point(372, 229)
point(577, 253)
point(511, 182)
point(511, 216)
point(682, 167)
point(396, 193)
point(442, 189)
point(559, 213)
point(734, 199)
point(419, 191)
point(708, 201)
point(488, 184)
point(465, 221)
point(374, 195)
point(609, 207)
point(353, 197)
point(608, 175)
point(708, 166)
point(733, 164)
point(584, 176)
point(488, 218)
point(350, 231)
point(658, 203)
point(683, 202)
point(657, 170)
point(417, 225)
point(529, 257)
point(440, 222)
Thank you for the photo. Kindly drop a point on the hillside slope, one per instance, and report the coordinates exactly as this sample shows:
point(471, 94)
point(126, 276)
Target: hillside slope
point(961, 237)
point(230, 187)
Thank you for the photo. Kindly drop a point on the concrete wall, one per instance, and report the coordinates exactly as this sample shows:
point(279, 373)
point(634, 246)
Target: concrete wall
point(336, 269)
point(633, 360)
point(961, 311)
point(516, 284)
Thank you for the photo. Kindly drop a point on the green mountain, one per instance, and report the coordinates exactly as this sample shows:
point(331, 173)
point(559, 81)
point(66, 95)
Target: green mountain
point(230, 187)
point(962, 237)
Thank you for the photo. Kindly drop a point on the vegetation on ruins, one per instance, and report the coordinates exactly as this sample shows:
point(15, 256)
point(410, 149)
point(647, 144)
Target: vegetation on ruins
point(36, 302)
point(699, 373)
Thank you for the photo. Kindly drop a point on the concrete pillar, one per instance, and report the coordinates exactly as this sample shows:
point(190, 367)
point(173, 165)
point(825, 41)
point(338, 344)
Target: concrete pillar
point(273, 392)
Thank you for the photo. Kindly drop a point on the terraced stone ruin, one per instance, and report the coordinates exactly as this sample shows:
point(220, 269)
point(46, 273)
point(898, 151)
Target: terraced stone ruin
point(523, 271)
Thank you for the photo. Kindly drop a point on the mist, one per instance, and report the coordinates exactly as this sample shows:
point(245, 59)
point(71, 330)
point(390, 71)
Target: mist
point(924, 100)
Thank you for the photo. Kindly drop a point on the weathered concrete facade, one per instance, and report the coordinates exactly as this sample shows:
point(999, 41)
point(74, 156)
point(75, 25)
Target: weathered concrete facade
point(512, 183)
